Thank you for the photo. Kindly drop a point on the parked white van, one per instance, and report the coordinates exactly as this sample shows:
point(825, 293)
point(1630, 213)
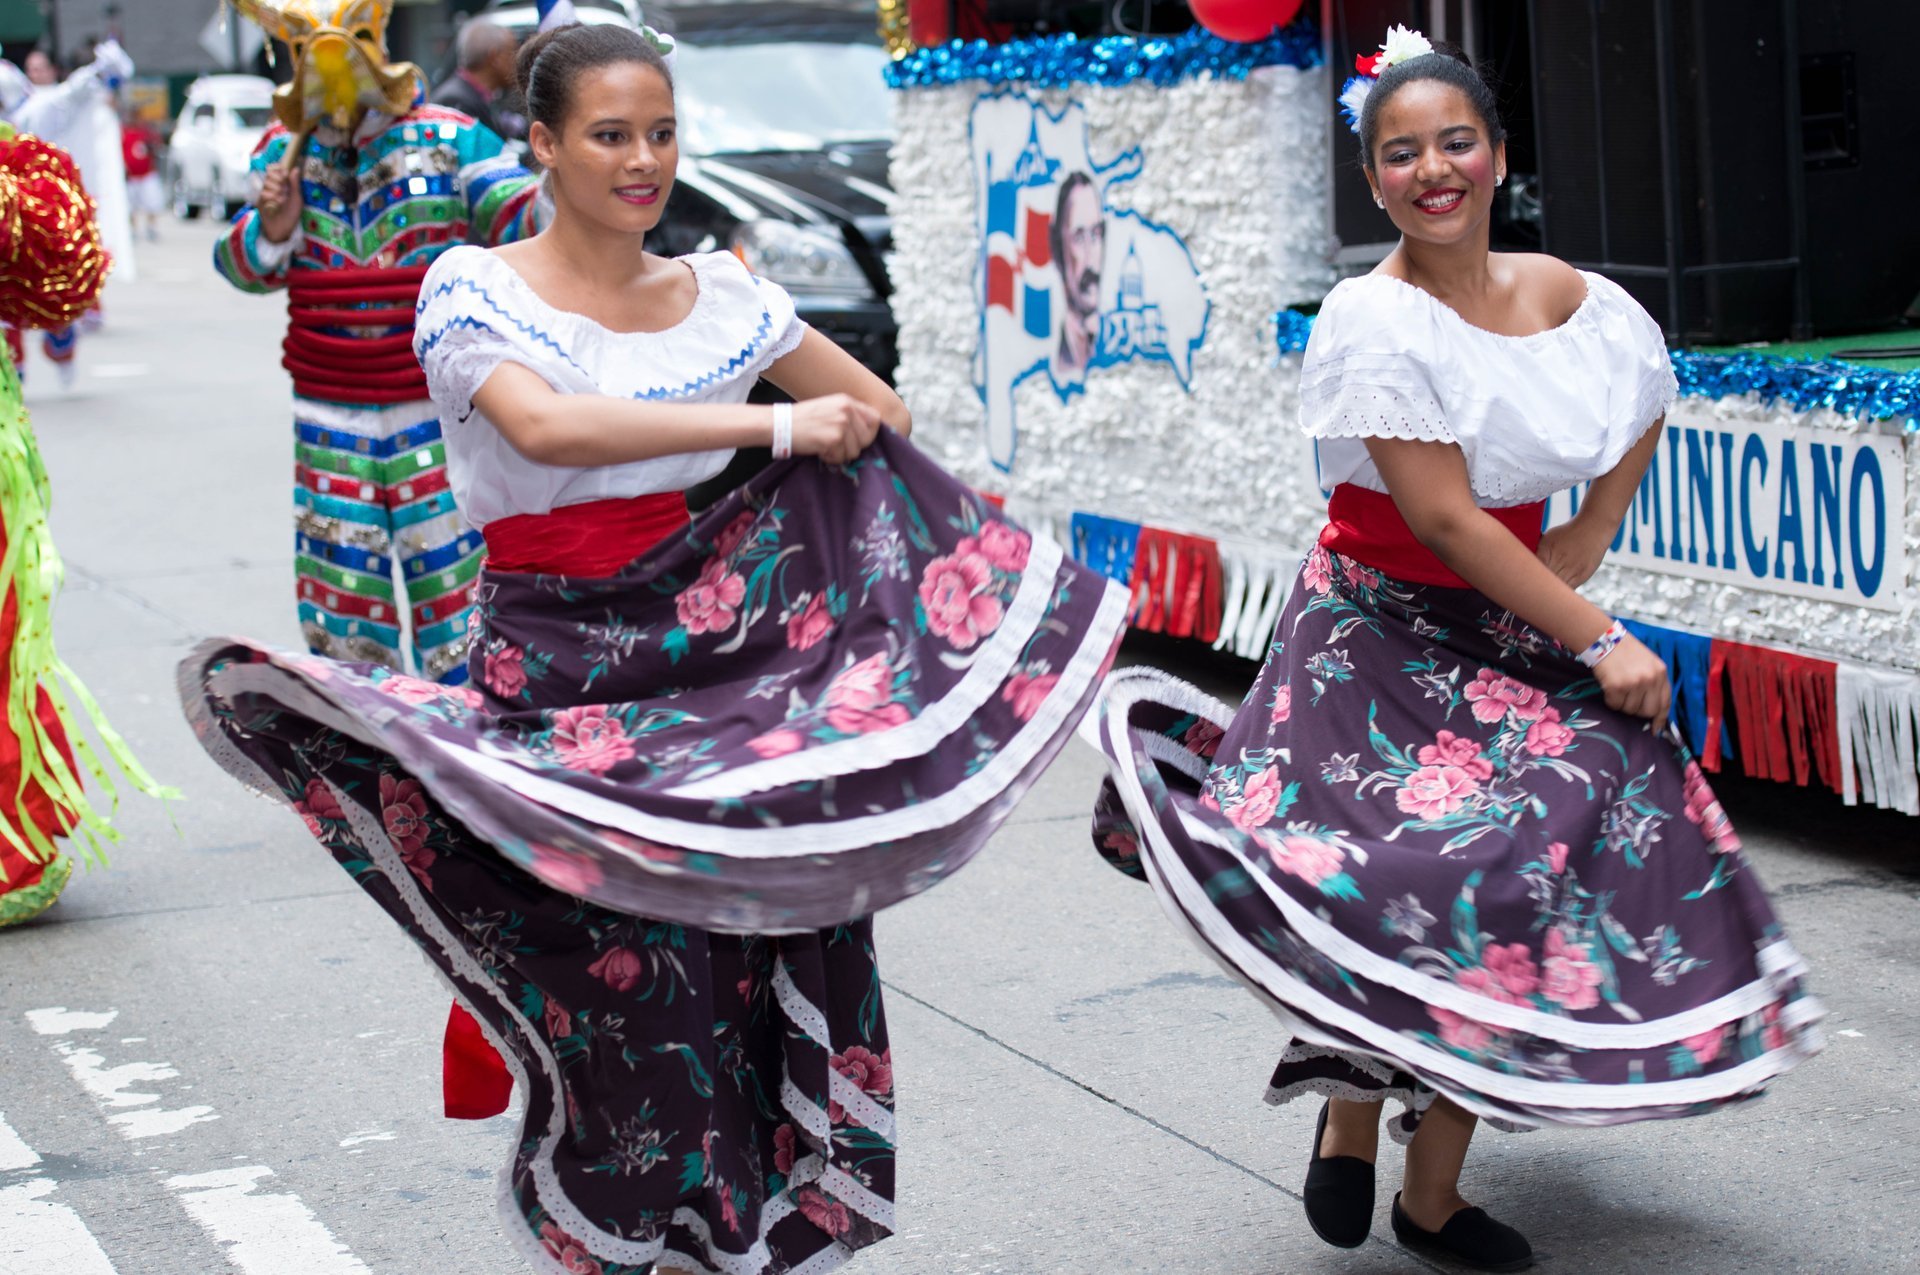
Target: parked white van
point(219, 126)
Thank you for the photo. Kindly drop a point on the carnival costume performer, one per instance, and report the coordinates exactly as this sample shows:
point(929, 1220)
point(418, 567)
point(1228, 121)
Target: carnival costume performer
point(78, 116)
point(1449, 837)
point(386, 184)
point(51, 269)
point(643, 845)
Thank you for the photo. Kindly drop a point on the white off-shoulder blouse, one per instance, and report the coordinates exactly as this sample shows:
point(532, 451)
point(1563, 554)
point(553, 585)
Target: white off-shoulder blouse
point(1533, 415)
point(476, 313)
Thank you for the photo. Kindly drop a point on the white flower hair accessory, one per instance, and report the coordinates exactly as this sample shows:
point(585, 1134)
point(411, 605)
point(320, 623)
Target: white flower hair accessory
point(1402, 45)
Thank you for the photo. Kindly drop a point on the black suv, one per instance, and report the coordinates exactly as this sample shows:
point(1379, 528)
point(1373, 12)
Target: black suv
point(784, 128)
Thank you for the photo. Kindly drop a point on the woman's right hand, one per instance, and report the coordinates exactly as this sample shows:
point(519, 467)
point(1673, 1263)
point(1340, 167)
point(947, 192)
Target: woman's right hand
point(280, 203)
point(1634, 680)
point(835, 428)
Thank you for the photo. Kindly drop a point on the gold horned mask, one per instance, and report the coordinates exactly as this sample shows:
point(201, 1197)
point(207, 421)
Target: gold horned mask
point(340, 67)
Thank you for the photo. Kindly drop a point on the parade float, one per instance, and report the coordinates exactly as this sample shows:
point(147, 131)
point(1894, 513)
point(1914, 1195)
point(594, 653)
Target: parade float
point(1106, 255)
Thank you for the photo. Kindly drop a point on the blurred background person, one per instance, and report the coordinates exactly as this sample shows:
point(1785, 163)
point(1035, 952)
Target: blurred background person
point(146, 196)
point(483, 79)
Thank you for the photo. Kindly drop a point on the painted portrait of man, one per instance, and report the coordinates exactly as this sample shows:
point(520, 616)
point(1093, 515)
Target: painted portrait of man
point(1079, 235)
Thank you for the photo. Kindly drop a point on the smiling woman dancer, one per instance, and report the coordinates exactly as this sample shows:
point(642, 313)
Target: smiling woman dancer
point(1448, 837)
point(644, 843)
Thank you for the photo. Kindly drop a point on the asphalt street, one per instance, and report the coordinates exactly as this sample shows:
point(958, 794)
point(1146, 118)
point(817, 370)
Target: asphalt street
point(217, 1055)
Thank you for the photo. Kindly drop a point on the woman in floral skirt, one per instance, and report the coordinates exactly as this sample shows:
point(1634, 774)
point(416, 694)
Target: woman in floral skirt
point(643, 846)
point(1449, 837)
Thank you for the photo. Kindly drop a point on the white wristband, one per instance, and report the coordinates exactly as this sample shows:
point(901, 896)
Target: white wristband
point(782, 430)
point(1603, 645)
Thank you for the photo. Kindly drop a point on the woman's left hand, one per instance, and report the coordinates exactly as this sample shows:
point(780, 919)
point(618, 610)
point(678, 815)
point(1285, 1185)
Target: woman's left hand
point(1571, 553)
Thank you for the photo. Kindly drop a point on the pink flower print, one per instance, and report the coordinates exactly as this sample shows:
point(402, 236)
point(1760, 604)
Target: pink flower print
point(1773, 1035)
point(317, 804)
point(810, 623)
point(1123, 845)
point(1433, 792)
point(585, 738)
point(1027, 691)
point(1572, 980)
point(1362, 578)
point(1259, 800)
point(559, 1022)
point(733, 533)
point(784, 1150)
point(1202, 738)
point(1461, 1033)
point(1556, 857)
point(573, 874)
point(860, 698)
point(1449, 749)
point(1549, 736)
point(411, 690)
point(825, 1212)
point(1506, 974)
point(777, 743)
point(569, 1252)
point(505, 670)
point(403, 809)
point(1312, 860)
point(954, 594)
point(872, 1072)
point(728, 1213)
point(1707, 1045)
point(1005, 546)
point(618, 968)
point(1493, 695)
point(1705, 812)
point(1283, 703)
point(707, 605)
point(1317, 571)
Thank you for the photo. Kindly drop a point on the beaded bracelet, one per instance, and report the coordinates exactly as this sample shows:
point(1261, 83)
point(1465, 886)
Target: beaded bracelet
point(1603, 645)
point(782, 430)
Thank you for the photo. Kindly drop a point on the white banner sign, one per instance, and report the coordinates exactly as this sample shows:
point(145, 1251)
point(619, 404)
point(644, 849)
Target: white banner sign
point(1816, 513)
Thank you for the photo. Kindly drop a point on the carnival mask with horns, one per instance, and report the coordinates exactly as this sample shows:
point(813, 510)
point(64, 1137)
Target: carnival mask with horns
point(340, 67)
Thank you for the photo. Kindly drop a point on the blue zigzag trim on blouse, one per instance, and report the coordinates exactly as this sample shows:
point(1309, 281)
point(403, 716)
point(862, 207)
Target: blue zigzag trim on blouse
point(726, 371)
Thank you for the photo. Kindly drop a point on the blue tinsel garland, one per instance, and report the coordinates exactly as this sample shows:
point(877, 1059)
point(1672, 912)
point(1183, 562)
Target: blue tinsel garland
point(1060, 61)
point(1870, 393)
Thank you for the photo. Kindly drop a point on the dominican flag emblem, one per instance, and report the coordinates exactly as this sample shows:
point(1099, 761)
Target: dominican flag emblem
point(1021, 280)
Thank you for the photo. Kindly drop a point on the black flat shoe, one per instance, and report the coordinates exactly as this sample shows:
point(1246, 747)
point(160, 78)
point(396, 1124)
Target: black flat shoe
point(1339, 1194)
point(1469, 1238)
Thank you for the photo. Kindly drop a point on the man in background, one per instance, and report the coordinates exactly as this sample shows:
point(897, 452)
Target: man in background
point(479, 84)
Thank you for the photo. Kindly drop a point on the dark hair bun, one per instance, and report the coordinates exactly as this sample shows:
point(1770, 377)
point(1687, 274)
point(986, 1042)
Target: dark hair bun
point(551, 63)
point(1447, 64)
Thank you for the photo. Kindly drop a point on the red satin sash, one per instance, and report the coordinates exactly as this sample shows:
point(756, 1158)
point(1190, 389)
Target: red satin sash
point(596, 538)
point(1367, 527)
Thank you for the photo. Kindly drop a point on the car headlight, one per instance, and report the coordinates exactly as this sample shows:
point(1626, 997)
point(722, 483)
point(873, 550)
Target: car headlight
point(800, 259)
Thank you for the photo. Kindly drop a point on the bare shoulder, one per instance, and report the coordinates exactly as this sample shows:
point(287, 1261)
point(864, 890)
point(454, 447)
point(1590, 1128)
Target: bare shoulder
point(1546, 283)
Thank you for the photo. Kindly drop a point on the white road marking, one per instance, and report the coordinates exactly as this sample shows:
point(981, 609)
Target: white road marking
point(1849, 1032)
point(370, 1135)
point(14, 1152)
point(119, 371)
point(264, 1232)
point(60, 1020)
point(38, 1235)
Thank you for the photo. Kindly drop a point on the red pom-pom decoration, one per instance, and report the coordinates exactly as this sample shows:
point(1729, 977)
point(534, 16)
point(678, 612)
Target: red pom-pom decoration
point(1244, 20)
point(51, 263)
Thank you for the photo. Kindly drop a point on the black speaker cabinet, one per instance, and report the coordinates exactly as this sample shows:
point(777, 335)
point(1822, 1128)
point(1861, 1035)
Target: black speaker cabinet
point(1667, 160)
point(1859, 126)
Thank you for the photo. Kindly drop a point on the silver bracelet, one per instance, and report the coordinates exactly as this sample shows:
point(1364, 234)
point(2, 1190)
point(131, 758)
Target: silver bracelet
point(1603, 645)
point(782, 430)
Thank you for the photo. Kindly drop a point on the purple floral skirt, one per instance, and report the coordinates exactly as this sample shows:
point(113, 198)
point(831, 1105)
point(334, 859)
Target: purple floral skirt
point(643, 843)
point(1427, 844)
